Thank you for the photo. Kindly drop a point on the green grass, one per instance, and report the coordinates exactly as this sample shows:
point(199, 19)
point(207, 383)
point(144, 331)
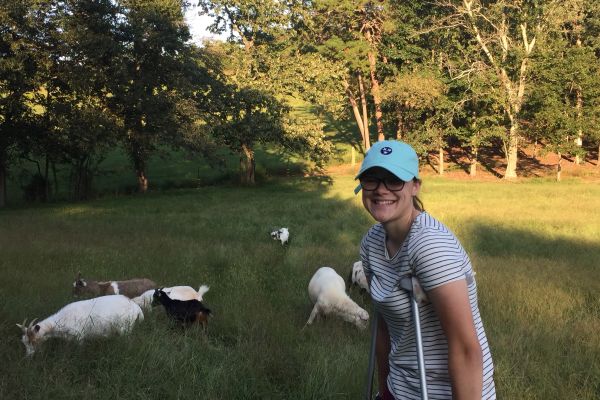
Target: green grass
point(535, 247)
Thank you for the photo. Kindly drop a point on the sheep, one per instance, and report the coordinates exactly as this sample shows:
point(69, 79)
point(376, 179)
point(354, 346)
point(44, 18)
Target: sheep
point(146, 299)
point(130, 288)
point(357, 278)
point(184, 311)
point(97, 317)
point(282, 235)
point(327, 290)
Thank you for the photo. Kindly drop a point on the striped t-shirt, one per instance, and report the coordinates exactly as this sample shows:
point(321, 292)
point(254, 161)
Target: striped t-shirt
point(435, 256)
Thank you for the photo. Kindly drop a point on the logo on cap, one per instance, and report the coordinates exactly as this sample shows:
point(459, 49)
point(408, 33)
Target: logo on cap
point(386, 150)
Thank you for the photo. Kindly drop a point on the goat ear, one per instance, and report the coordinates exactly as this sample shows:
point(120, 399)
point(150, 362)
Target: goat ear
point(36, 328)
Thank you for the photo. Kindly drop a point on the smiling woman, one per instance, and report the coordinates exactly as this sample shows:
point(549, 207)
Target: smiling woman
point(456, 362)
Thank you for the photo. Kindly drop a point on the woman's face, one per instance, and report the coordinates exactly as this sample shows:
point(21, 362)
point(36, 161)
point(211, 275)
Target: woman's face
point(387, 205)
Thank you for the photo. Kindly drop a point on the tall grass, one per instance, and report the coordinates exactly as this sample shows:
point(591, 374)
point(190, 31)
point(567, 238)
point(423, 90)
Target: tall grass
point(535, 247)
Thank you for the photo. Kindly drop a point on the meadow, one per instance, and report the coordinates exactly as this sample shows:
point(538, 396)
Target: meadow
point(535, 246)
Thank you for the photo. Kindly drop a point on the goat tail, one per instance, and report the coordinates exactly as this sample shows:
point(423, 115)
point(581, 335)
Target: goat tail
point(202, 290)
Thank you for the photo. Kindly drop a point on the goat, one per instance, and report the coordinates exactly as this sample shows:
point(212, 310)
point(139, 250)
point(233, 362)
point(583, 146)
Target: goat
point(357, 278)
point(327, 291)
point(130, 288)
point(184, 311)
point(146, 300)
point(97, 317)
point(282, 235)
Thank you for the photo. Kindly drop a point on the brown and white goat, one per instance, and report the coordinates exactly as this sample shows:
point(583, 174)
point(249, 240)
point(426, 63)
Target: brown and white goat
point(130, 288)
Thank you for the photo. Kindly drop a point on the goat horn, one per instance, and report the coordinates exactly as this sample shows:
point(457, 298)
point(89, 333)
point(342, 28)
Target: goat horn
point(22, 326)
point(32, 323)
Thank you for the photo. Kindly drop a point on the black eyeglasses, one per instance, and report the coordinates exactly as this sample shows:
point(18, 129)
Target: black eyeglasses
point(371, 183)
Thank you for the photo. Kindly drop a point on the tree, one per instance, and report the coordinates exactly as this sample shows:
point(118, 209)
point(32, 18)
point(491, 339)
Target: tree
point(259, 84)
point(149, 78)
point(17, 71)
point(505, 32)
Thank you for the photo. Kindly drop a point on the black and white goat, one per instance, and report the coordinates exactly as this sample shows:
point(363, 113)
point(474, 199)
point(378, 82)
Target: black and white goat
point(357, 278)
point(185, 311)
point(281, 235)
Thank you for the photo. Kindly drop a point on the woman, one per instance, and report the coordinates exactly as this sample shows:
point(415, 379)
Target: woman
point(405, 241)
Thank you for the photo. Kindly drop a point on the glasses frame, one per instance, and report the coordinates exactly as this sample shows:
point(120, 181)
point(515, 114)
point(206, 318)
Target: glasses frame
point(379, 182)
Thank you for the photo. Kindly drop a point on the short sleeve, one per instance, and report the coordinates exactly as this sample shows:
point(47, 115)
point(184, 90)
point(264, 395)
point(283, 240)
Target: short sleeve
point(439, 259)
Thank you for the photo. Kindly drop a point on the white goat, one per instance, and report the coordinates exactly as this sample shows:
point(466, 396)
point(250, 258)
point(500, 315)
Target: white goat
point(183, 293)
point(358, 278)
point(282, 235)
point(327, 291)
point(97, 317)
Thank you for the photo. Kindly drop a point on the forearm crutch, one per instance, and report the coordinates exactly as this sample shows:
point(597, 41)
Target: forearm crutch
point(371, 370)
point(406, 284)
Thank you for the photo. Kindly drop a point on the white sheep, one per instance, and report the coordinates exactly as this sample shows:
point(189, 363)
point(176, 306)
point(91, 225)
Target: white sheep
point(327, 290)
point(282, 235)
point(98, 317)
point(145, 300)
point(358, 278)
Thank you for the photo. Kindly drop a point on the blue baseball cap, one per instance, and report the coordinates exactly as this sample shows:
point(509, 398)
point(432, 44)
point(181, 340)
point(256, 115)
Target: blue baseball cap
point(397, 157)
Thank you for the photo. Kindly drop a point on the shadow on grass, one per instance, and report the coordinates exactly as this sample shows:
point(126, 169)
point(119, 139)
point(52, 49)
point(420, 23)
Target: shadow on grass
point(494, 241)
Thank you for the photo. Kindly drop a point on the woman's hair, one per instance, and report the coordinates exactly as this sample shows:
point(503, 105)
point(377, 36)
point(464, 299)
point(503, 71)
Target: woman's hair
point(417, 202)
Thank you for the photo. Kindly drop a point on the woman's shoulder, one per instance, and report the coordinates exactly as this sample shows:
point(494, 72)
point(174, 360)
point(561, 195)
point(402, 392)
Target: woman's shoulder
point(374, 234)
point(426, 224)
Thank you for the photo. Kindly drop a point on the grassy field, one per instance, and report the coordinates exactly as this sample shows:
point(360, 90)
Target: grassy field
point(535, 246)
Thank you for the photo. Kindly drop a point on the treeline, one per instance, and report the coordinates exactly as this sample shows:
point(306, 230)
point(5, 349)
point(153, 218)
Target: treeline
point(78, 78)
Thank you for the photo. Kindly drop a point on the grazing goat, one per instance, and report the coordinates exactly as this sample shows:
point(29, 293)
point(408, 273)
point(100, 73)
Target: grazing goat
point(146, 300)
point(97, 317)
point(130, 288)
point(327, 291)
point(357, 278)
point(282, 235)
point(184, 311)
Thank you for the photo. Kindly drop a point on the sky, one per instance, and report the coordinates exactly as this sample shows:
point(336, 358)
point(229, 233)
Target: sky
point(198, 24)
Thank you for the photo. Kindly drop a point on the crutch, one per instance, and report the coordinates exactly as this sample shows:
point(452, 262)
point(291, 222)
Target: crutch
point(406, 284)
point(371, 370)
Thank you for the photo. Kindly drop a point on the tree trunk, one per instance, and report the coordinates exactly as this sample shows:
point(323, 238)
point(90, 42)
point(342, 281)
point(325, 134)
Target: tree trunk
point(559, 167)
point(55, 179)
point(512, 151)
point(400, 126)
point(473, 166)
point(46, 179)
point(2, 184)
point(376, 97)
point(247, 165)
point(441, 160)
point(365, 118)
point(579, 138)
point(140, 173)
point(355, 110)
point(142, 181)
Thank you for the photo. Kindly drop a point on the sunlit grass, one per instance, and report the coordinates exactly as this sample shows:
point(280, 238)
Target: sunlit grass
point(535, 247)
